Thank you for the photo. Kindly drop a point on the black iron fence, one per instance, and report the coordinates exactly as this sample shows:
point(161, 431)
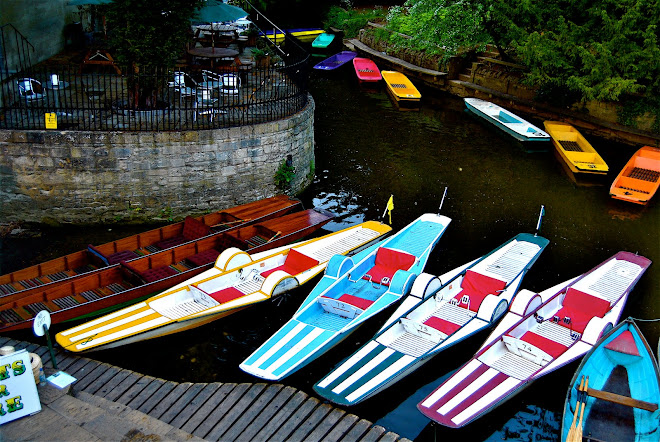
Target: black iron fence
point(110, 97)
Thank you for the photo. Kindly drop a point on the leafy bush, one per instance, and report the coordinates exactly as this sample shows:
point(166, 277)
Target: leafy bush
point(352, 20)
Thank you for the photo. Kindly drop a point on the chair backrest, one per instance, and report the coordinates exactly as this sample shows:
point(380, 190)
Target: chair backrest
point(230, 83)
point(179, 79)
point(29, 87)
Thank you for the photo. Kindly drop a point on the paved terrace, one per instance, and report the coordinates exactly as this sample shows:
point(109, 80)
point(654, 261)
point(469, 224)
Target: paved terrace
point(109, 403)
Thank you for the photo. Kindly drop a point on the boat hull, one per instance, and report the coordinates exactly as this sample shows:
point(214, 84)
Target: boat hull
point(401, 88)
point(510, 123)
point(576, 152)
point(366, 70)
point(621, 363)
point(639, 180)
point(335, 61)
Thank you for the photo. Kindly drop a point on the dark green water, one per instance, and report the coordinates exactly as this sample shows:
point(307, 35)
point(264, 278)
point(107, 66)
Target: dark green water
point(367, 150)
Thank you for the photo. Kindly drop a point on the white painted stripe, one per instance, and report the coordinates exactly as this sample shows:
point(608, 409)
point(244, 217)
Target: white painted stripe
point(126, 332)
point(272, 350)
point(114, 324)
point(487, 400)
point(468, 391)
point(103, 319)
point(348, 364)
point(295, 349)
point(382, 376)
point(364, 370)
point(451, 383)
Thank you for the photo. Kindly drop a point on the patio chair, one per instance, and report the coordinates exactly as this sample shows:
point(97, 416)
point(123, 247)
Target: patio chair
point(210, 80)
point(181, 85)
point(206, 104)
point(230, 84)
point(30, 90)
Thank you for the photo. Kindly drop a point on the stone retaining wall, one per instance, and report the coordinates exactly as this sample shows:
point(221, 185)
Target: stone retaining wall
point(105, 177)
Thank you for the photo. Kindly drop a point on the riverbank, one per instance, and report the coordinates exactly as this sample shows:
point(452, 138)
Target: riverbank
point(486, 78)
point(108, 403)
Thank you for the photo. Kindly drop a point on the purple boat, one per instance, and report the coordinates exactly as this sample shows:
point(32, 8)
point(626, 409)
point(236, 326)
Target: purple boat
point(336, 61)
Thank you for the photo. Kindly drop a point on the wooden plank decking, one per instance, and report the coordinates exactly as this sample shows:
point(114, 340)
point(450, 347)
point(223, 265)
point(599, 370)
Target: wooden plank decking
point(215, 411)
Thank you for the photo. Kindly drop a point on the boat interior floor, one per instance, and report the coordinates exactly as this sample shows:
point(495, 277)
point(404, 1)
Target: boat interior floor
point(607, 420)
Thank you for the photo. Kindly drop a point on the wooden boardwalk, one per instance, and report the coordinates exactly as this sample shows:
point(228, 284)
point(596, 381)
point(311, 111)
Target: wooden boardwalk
point(216, 411)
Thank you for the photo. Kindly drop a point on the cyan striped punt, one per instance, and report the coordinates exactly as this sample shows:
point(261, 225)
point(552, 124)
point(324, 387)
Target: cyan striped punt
point(288, 349)
point(367, 371)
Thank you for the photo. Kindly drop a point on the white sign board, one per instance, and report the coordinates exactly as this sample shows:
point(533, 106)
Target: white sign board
point(18, 391)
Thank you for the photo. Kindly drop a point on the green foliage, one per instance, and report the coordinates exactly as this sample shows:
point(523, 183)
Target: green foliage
point(351, 20)
point(149, 33)
point(445, 27)
point(284, 175)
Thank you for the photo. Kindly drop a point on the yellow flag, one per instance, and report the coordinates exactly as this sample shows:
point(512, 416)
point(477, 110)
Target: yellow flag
point(390, 207)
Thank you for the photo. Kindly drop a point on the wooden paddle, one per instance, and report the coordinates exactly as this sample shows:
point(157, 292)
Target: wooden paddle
point(571, 430)
point(578, 428)
point(274, 236)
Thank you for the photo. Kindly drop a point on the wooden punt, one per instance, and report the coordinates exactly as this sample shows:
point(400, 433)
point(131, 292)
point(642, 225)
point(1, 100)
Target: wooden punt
point(56, 271)
point(112, 287)
point(574, 149)
point(623, 391)
point(366, 70)
point(401, 88)
point(236, 281)
point(639, 179)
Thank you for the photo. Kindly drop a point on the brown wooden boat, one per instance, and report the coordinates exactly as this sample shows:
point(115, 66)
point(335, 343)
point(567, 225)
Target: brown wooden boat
point(116, 286)
point(58, 270)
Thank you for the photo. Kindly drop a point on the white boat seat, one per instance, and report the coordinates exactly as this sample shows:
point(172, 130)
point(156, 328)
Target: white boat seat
point(526, 350)
point(347, 306)
point(423, 331)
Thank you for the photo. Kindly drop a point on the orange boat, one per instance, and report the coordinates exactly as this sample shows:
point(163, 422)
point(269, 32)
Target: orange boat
point(640, 178)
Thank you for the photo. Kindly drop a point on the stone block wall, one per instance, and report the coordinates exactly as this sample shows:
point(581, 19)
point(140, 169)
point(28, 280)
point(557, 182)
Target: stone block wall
point(105, 177)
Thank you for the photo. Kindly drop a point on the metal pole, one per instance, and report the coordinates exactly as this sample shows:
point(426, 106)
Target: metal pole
point(50, 347)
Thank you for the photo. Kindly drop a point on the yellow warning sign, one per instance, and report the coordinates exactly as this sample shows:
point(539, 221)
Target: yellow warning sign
point(51, 120)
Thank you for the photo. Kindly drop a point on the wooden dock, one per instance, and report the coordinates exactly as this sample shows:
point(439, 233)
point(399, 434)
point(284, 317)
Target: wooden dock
point(210, 411)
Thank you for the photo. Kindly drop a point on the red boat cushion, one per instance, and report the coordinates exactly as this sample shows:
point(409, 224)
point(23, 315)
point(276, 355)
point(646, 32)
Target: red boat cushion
point(442, 325)
point(124, 255)
point(204, 257)
point(477, 287)
point(388, 261)
point(226, 295)
point(358, 302)
point(193, 229)
point(624, 343)
point(581, 307)
point(170, 242)
point(549, 346)
point(294, 263)
point(156, 274)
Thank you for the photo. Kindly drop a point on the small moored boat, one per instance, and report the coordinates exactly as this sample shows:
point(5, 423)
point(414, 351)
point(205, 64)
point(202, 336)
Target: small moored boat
point(236, 281)
point(615, 392)
point(323, 41)
point(401, 88)
point(351, 291)
point(303, 34)
point(638, 181)
point(541, 333)
point(335, 61)
point(112, 287)
point(21, 283)
point(438, 313)
point(509, 122)
point(366, 70)
point(574, 149)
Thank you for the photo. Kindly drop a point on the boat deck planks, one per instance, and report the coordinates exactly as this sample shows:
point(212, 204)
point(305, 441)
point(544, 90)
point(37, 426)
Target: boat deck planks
point(216, 411)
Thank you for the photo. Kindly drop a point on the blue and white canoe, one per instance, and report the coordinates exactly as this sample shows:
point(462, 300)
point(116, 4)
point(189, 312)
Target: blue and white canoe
point(622, 393)
point(351, 291)
point(438, 313)
point(540, 333)
point(509, 122)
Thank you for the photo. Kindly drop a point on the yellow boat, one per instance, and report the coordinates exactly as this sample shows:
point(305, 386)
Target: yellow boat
point(236, 281)
point(574, 149)
point(401, 88)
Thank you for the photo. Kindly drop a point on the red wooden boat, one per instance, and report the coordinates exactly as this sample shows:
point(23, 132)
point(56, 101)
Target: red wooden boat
point(366, 70)
point(115, 286)
point(56, 271)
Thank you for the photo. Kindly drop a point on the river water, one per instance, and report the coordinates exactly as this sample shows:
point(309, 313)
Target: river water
point(367, 150)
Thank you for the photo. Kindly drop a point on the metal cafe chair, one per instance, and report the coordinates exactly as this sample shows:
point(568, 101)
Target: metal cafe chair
point(206, 104)
point(210, 80)
point(181, 85)
point(30, 90)
point(230, 84)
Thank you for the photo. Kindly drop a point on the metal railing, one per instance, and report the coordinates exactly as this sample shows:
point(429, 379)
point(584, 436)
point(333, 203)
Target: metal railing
point(153, 100)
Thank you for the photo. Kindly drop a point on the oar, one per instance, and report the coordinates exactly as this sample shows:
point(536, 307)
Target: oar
point(231, 222)
point(578, 429)
point(578, 398)
point(274, 236)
